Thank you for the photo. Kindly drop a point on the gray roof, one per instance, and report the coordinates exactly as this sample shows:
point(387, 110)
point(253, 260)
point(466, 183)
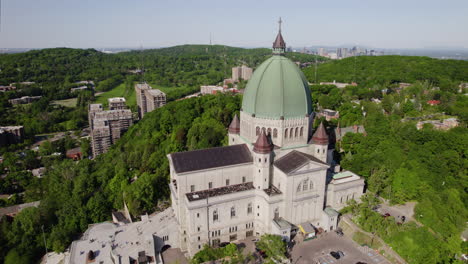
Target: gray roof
point(194, 196)
point(294, 160)
point(210, 158)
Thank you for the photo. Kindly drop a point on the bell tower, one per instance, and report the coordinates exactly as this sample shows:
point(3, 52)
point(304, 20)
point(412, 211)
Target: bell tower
point(319, 143)
point(262, 151)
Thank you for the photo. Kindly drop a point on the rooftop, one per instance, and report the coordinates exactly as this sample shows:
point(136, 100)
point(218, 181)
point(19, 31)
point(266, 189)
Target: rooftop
point(295, 160)
point(210, 158)
point(143, 86)
point(108, 239)
point(195, 196)
point(117, 100)
point(344, 176)
point(331, 212)
point(155, 92)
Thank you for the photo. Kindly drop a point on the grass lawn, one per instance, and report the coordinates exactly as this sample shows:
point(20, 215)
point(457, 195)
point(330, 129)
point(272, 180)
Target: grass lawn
point(362, 238)
point(119, 91)
point(71, 102)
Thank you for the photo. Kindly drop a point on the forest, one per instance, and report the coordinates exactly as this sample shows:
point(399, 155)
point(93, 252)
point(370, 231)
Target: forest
point(55, 71)
point(398, 162)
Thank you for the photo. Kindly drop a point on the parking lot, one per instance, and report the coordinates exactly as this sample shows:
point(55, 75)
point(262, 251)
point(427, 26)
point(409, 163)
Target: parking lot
point(318, 251)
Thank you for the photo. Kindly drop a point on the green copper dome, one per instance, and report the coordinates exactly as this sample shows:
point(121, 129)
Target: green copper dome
point(277, 89)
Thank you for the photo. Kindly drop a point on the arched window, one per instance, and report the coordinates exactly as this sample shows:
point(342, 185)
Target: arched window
point(276, 213)
point(257, 131)
point(215, 215)
point(291, 132)
point(302, 132)
point(249, 208)
point(295, 133)
point(305, 185)
point(275, 133)
point(233, 212)
point(311, 185)
point(263, 129)
point(286, 133)
point(269, 131)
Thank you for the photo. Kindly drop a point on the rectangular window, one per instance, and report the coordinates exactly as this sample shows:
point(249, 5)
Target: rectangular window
point(233, 237)
point(227, 182)
point(243, 179)
point(192, 188)
point(210, 185)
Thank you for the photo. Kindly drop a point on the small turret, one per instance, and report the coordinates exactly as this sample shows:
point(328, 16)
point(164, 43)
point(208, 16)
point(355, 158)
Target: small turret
point(262, 145)
point(234, 131)
point(234, 127)
point(320, 136)
point(319, 143)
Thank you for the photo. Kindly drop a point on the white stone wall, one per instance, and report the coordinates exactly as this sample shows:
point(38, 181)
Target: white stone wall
point(339, 194)
point(202, 228)
point(284, 133)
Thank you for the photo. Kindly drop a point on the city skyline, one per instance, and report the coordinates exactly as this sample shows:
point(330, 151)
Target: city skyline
point(116, 24)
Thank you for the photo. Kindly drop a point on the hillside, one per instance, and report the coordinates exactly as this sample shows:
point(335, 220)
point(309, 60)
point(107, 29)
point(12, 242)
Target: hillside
point(368, 70)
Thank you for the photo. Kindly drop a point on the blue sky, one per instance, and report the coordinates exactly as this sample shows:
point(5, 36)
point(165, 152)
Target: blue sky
point(155, 23)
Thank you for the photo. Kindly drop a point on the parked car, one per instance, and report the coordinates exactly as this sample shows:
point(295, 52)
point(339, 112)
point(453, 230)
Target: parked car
point(223, 244)
point(386, 215)
point(340, 253)
point(339, 232)
point(360, 262)
point(335, 254)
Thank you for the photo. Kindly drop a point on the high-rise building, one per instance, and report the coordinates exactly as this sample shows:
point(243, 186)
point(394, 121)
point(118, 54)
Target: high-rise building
point(148, 98)
point(342, 53)
point(108, 126)
point(117, 103)
point(321, 52)
point(242, 72)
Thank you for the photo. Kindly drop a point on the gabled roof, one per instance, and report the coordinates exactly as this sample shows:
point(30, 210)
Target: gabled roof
point(295, 160)
point(210, 158)
point(262, 145)
point(234, 127)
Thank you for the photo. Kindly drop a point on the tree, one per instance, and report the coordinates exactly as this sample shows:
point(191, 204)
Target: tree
point(273, 246)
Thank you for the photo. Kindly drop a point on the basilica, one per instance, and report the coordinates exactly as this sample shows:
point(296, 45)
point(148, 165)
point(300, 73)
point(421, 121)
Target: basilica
point(274, 177)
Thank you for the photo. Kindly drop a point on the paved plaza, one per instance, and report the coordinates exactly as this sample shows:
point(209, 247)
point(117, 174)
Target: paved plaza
point(318, 251)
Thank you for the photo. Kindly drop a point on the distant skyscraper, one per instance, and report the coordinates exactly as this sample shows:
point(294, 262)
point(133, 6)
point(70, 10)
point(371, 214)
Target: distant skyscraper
point(342, 53)
point(322, 52)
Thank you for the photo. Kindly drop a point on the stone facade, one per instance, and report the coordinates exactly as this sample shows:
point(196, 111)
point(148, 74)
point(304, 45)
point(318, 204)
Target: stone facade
point(273, 175)
point(250, 197)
